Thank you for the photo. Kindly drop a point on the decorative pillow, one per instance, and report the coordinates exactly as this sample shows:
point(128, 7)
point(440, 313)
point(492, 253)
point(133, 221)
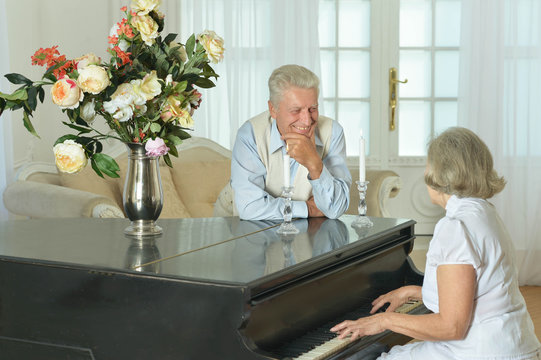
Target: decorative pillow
point(200, 174)
point(173, 206)
point(88, 180)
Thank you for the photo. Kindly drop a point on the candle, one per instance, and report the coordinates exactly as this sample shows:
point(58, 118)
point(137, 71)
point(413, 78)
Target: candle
point(362, 165)
point(287, 173)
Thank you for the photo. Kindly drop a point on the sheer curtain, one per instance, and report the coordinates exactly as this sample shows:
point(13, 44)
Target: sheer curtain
point(500, 92)
point(6, 158)
point(259, 36)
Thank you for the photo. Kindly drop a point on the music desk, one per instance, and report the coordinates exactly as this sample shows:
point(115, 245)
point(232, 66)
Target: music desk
point(207, 288)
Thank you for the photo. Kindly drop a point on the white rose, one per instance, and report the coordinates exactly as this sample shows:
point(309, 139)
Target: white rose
point(122, 102)
point(124, 113)
point(213, 45)
point(150, 86)
point(93, 79)
point(143, 7)
point(69, 156)
point(85, 60)
point(66, 94)
point(88, 113)
point(147, 27)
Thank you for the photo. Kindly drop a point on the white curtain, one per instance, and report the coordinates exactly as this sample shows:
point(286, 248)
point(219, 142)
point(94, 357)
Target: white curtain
point(259, 36)
point(6, 157)
point(500, 92)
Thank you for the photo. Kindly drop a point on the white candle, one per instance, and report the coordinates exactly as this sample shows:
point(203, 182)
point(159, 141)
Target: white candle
point(362, 165)
point(287, 173)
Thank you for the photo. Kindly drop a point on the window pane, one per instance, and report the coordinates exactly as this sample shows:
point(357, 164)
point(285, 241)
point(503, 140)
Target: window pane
point(354, 73)
point(446, 73)
point(415, 65)
point(354, 115)
point(413, 128)
point(328, 73)
point(327, 23)
point(415, 23)
point(445, 115)
point(354, 23)
point(447, 23)
point(329, 109)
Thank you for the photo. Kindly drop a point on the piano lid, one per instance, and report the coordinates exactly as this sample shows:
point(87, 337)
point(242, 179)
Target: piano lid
point(219, 250)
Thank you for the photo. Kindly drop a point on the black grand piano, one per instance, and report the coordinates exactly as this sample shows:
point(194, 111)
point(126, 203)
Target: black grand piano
point(207, 288)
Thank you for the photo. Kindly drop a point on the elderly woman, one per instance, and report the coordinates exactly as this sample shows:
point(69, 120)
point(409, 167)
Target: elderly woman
point(470, 281)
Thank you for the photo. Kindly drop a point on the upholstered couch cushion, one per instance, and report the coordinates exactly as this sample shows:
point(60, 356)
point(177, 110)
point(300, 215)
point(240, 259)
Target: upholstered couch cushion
point(190, 188)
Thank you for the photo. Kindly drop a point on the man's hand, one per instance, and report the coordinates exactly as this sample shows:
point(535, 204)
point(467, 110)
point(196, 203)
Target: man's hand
point(303, 150)
point(313, 211)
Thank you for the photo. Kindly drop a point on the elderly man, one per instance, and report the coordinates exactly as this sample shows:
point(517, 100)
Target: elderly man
point(315, 144)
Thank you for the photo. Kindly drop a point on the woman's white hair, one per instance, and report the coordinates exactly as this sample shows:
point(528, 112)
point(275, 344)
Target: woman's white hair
point(460, 163)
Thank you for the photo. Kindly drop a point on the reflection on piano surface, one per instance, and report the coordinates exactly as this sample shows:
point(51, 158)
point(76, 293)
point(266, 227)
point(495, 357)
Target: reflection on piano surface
point(206, 289)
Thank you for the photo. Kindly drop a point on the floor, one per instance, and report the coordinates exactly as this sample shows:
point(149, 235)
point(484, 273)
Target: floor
point(532, 294)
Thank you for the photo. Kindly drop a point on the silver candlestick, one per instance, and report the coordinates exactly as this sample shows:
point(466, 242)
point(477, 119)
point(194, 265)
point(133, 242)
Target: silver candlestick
point(287, 226)
point(362, 220)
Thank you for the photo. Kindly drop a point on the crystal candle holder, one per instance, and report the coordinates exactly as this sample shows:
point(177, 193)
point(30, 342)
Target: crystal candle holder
point(362, 220)
point(287, 226)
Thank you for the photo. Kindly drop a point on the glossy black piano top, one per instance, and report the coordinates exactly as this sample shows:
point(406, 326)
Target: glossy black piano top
point(211, 249)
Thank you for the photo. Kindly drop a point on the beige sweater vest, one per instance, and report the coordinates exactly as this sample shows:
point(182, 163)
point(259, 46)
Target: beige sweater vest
point(274, 163)
point(262, 123)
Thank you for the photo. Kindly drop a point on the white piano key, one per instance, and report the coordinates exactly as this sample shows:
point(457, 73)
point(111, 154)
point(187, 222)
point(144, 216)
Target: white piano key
point(334, 345)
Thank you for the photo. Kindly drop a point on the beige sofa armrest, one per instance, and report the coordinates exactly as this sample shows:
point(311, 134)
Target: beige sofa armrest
point(383, 185)
point(39, 200)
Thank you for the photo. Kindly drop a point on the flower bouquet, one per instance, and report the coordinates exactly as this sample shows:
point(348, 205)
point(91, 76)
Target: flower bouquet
point(146, 93)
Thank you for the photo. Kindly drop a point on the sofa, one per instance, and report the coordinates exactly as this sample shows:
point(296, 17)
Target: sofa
point(190, 187)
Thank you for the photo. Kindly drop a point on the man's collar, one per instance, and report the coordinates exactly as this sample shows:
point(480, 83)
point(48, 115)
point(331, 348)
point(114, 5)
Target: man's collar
point(276, 142)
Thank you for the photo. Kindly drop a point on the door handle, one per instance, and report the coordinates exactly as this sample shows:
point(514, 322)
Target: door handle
point(393, 81)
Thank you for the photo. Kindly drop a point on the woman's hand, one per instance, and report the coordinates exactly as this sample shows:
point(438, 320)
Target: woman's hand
point(370, 325)
point(375, 324)
point(396, 298)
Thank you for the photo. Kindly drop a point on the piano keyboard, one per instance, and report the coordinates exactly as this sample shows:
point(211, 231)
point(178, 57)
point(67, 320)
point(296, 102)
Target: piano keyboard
point(321, 343)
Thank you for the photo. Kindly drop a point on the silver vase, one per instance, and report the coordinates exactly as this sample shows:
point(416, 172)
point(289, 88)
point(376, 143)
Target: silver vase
point(143, 195)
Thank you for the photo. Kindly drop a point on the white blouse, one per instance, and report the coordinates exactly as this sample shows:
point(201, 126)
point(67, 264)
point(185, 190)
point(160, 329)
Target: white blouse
point(473, 233)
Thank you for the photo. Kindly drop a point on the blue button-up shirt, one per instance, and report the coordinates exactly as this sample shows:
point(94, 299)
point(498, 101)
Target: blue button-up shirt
point(248, 175)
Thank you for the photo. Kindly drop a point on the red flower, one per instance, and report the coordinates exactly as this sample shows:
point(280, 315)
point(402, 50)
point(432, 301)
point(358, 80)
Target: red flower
point(46, 56)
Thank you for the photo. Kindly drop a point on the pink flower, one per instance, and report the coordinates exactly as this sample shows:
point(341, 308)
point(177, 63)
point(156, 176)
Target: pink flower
point(156, 147)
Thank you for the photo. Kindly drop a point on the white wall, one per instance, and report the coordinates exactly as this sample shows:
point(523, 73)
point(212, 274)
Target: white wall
point(77, 27)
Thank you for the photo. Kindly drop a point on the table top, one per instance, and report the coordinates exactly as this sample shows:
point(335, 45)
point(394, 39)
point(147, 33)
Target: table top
point(223, 249)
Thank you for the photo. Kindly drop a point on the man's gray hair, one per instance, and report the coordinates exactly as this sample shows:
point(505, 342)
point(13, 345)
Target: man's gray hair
point(287, 76)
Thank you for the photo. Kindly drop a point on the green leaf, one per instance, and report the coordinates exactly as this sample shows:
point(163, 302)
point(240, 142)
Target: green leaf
point(28, 125)
point(106, 164)
point(32, 97)
point(19, 94)
point(99, 147)
point(190, 46)
point(177, 131)
point(49, 76)
point(167, 160)
point(173, 150)
point(41, 94)
point(95, 167)
point(18, 79)
point(174, 140)
point(155, 127)
point(169, 38)
point(80, 129)
point(204, 83)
